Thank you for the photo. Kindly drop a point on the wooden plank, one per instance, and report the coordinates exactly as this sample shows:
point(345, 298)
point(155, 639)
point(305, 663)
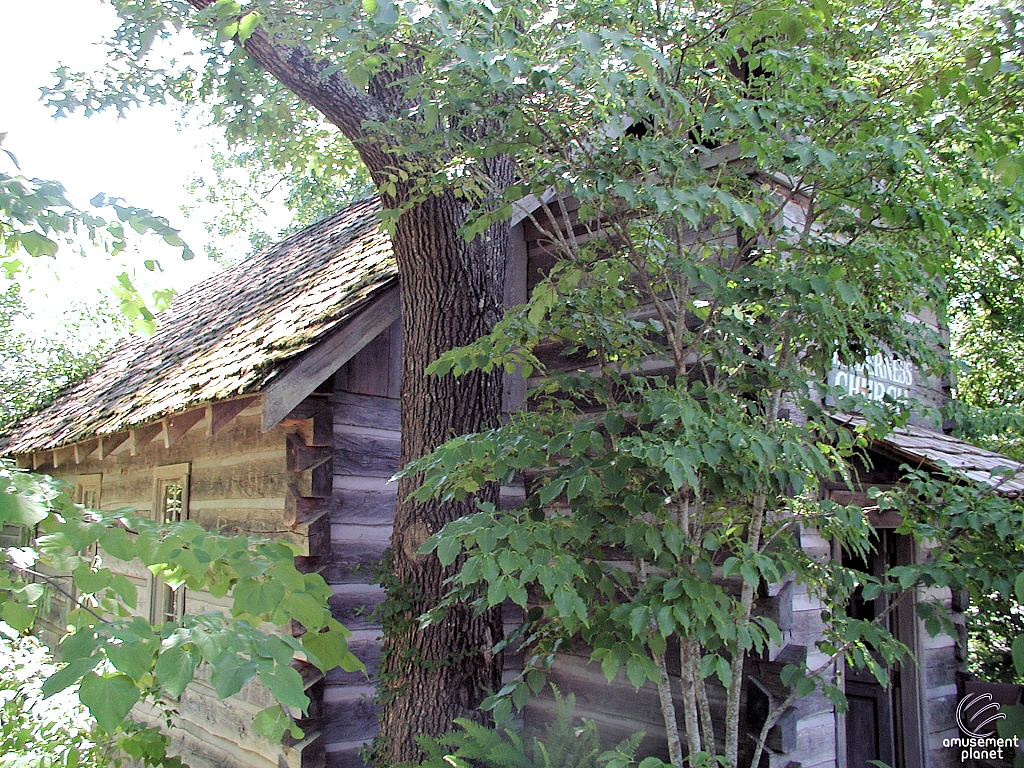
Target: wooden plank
point(85, 449)
point(142, 436)
point(111, 445)
point(224, 412)
point(366, 411)
point(177, 426)
point(369, 371)
point(63, 455)
point(364, 455)
point(312, 368)
point(302, 457)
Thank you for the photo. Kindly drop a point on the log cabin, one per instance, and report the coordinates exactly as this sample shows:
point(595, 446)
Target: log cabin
point(267, 403)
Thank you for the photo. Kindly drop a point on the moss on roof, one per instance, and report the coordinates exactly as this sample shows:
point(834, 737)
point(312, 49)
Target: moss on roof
point(229, 335)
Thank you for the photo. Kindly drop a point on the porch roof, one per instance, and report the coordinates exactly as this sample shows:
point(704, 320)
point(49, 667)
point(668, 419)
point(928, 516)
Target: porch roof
point(934, 450)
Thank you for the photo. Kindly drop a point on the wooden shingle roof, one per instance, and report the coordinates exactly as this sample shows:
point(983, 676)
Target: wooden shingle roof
point(230, 335)
point(936, 450)
point(922, 447)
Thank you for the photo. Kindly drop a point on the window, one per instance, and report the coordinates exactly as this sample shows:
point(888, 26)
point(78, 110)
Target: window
point(87, 491)
point(170, 505)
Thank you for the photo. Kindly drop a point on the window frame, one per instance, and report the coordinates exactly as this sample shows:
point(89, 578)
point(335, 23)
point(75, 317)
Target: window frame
point(166, 604)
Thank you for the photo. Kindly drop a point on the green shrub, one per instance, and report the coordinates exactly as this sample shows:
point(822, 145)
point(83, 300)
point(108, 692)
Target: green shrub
point(57, 732)
point(563, 744)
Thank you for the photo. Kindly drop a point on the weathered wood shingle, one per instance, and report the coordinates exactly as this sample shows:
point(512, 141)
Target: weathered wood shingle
point(230, 335)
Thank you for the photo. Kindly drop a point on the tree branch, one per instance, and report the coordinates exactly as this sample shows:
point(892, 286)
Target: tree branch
point(339, 100)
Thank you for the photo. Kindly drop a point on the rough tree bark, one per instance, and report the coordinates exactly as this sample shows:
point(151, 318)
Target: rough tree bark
point(451, 293)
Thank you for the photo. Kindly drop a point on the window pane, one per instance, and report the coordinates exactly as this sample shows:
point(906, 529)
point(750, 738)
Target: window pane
point(171, 501)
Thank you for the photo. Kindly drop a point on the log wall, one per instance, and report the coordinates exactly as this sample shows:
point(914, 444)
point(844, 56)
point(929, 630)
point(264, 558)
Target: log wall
point(365, 413)
point(239, 481)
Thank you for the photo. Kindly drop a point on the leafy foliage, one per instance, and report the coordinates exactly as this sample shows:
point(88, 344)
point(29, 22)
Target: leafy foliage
point(36, 218)
point(38, 732)
point(117, 658)
point(759, 230)
point(34, 368)
point(563, 744)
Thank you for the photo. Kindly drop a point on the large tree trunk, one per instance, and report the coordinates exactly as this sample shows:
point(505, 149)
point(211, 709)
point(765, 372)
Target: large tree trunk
point(451, 295)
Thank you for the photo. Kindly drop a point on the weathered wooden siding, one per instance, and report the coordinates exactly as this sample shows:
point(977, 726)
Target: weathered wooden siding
point(239, 481)
point(366, 438)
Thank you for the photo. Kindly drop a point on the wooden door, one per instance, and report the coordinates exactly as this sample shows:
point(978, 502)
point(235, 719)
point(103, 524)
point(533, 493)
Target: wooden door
point(872, 718)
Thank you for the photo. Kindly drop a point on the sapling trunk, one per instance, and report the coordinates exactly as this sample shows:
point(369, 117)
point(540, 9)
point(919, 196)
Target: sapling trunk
point(688, 681)
point(735, 688)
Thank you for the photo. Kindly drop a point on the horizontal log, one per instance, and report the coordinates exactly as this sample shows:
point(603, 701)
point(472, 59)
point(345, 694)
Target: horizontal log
point(314, 405)
point(351, 717)
point(353, 562)
point(302, 457)
point(314, 418)
point(365, 507)
point(354, 608)
point(366, 411)
point(346, 755)
point(254, 479)
point(363, 455)
point(301, 509)
point(311, 752)
point(368, 652)
point(540, 711)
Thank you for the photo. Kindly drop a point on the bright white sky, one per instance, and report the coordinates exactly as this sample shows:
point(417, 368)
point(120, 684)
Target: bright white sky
point(143, 158)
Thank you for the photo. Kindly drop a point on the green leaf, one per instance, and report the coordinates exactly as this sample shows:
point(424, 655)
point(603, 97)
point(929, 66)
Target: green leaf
point(286, 685)
point(306, 610)
point(230, 673)
point(109, 698)
point(448, 549)
point(257, 597)
point(273, 722)
point(69, 675)
point(115, 542)
point(1017, 651)
point(174, 669)
point(90, 581)
point(19, 616)
point(636, 670)
point(1018, 588)
point(329, 650)
point(21, 509)
point(37, 245)
point(125, 589)
point(134, 659)
point(246, 26)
